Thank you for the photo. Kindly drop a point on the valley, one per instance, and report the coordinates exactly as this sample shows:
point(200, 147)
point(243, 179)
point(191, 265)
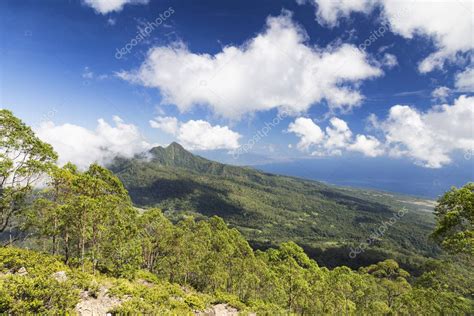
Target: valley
point(269, 209)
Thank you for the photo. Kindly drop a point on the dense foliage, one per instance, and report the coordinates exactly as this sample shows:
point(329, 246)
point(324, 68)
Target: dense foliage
point(87, 214)
point(23, 159)
point(40, 291)
point(269, 209)
point(212, 258)
point(100, 243)
point(455, 215)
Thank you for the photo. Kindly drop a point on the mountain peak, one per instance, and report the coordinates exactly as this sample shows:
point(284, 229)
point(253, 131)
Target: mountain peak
point(172, 149)
point(175, 146)
point(175, 155)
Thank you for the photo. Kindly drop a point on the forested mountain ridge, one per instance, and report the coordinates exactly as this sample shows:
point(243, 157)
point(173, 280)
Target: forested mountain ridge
point(176, 156)
point(268, 209)
point(90, 250)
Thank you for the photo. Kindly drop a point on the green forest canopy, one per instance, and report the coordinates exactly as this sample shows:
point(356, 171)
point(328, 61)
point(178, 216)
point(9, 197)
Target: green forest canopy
point(88, 224)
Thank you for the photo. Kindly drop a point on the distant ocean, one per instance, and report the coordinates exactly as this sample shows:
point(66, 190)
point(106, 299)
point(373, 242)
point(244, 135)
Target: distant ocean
point(393, 175)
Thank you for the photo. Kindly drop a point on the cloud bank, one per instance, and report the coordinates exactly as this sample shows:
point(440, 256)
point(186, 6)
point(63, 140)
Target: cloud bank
point(82, 146)
point(107, 6)
point(276, 68)
point(428, 138)
point(336, 139)
point(447, 23)
point(198, 134)
point(465, 80)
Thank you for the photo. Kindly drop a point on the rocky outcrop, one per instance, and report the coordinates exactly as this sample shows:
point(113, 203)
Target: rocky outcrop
point(60, 276)
point(97, 306)
point(219, 310)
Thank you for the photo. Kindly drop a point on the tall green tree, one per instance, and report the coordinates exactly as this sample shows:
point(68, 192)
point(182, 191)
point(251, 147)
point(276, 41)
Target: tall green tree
point(48, 215)
point(291, 264)
point(91, 216)
point(455, 220)
point(391, 277)
point(24, 158)
point(156, 234)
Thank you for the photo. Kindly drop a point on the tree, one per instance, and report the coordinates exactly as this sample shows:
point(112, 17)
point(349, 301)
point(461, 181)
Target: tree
point(47, 214)
point(103, 221)
point(455, 220)
point(24, 158)
point(391, 277)
point(92, 214)
point(291, 264)
point(156, 233)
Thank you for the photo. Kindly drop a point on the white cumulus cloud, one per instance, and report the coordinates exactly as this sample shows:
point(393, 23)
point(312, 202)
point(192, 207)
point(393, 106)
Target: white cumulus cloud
point(308, 132)
point(389, 60)
point(441, 93)
point(107, 6)
point(276, 68)
point(429, 138)
point(328, 12)
point(82, 146)
point(465, 80)
point(167, 124)
point(336, 139)
point(338, 136)
point(448, 24)
point(198, 134)
point(368, 145)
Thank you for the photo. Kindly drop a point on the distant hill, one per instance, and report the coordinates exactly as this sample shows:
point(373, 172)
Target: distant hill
point(268, 209)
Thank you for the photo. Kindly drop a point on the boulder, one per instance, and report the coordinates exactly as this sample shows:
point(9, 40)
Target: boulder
point(60, 276)
point(22, 271)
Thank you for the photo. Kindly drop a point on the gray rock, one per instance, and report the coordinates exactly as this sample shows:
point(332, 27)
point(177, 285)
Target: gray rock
point(219, 310)
point(60, 276)
point(22, 271)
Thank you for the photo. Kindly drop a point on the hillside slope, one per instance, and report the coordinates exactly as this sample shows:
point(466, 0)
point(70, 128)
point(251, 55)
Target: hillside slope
point(36, 283)
point(269, 209)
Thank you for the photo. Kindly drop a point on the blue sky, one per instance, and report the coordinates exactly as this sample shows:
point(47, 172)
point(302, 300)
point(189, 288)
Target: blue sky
point(60, 74)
